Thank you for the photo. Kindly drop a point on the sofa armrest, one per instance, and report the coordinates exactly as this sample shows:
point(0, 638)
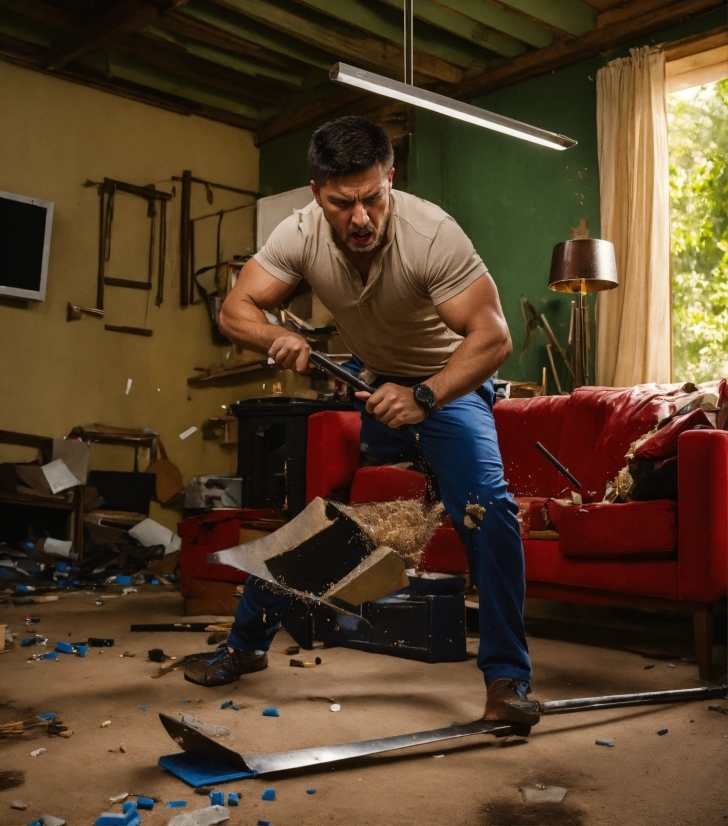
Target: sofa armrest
point(703, 514)
point(332, 452)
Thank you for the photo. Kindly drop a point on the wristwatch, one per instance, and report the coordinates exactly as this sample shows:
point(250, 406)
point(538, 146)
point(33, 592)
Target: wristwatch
point(425, 398)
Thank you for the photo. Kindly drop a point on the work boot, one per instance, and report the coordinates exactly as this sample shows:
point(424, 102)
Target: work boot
point(225, 666)
point(507, 700)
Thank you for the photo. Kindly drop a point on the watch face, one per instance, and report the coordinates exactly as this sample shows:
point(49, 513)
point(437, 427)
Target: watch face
point(425, 396)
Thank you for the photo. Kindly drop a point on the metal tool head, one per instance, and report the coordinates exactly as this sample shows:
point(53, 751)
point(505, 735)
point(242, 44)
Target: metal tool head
point(190, 739)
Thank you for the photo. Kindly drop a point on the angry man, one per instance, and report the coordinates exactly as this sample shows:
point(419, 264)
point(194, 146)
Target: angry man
point(417, 307)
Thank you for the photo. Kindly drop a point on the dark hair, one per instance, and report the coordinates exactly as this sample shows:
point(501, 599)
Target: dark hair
point(348, 145)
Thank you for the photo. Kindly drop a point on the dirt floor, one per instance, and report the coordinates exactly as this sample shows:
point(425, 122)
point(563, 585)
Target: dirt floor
point(678, 778)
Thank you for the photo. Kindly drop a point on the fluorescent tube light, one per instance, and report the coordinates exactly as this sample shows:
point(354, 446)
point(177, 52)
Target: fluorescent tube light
point(351, 76)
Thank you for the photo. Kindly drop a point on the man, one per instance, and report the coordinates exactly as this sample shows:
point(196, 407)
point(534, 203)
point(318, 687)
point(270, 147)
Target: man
point(416, 305)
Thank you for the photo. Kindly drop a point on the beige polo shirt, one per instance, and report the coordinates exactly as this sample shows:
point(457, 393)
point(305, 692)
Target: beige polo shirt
point(391, 323)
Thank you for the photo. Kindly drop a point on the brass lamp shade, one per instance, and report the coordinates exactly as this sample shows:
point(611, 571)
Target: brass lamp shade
point(583, 265)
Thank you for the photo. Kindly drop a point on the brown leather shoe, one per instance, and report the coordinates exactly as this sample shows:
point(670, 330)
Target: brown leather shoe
point(508, 701)
point(225, 666)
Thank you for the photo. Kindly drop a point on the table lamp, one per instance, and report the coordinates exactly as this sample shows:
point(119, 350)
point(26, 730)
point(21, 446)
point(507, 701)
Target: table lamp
point(581, 266)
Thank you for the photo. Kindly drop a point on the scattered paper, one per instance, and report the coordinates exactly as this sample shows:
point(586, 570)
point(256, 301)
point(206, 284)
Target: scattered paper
point(57, 547)
point(38, 752)
point(188, 432)
point(128, 386)
point(59, 477)
point(149, 533)
point(75, 453)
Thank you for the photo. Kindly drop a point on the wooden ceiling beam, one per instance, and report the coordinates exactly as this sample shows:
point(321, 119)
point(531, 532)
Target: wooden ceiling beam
point(236, 60)
point(123, 17)
point(158, 53)
point(566, 52)
point(573, 17)
point(430, 12)
point(31, 56)
point(209, 23)
point(341, 41)
point(502, 20)
point(376, 18)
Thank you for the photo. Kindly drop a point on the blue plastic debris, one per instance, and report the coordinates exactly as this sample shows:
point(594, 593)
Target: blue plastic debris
point(269, 794)
point(271, 711)
point(609, 743)
point(235, 707)
point(23, 589)
point(715, 708)
point(144, 708)
point(310, 791)
point(155, 581)
point(233, 799)
point(264, 823)
point(49, 716)
point(123, 579)
point(226, 704)
point(128, 817)
point(81, 650)
point(50, 655)
point(185, 702)
point(145, 803)
point(217, 798)
point(64, 647)
point(176, 804)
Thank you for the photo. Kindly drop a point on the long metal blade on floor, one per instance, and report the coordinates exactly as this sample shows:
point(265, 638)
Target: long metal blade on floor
point(191, 740)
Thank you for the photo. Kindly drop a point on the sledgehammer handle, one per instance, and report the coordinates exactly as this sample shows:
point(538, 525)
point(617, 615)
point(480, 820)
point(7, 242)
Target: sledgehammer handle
point(339, 372)
point(557, 464)
point(619, 700)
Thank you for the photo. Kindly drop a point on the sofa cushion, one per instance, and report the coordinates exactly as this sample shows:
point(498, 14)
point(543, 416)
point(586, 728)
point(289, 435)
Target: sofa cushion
point(530, 514)
point(521, 423)
point(613, 531)
point(384, 484)
point(332, 452)
point(444, 553)
point(663, 444)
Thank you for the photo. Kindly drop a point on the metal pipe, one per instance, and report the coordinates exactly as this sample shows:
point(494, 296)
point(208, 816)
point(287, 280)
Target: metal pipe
point(409, 42)
point(336, 370)
point(621, 700)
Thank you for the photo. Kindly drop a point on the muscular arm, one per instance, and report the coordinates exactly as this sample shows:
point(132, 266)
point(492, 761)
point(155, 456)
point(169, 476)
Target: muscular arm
point(242, 319)
point(476, 314)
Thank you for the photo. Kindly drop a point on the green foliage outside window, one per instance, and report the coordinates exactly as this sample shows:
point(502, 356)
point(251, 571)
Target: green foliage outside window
point(698, 135)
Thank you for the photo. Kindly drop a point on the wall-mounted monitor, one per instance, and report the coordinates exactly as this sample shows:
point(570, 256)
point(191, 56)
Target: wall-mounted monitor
point(25, 243)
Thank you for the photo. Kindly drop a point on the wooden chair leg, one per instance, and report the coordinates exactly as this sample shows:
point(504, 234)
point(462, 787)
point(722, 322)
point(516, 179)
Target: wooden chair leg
point(703, 628)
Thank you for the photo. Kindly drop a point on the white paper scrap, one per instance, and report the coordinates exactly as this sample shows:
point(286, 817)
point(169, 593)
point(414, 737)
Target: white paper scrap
point(59, 477)
point(128, 386)
point(188, 432)
point(57, 547)
point(149, 533)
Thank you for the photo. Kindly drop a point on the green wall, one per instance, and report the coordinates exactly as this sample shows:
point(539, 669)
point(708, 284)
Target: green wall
point(515, 199)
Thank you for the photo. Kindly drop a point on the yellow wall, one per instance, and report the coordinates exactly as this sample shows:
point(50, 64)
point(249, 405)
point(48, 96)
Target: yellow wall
point(54, 135)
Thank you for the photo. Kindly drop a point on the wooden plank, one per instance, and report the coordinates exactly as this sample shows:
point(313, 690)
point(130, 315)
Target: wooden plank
point(380, 20)
point(206, 21)
point(678, 49)
point(341, 40)
point(593, 43)
point(231, 60)
point(163, 55)
point(124, 16)
point(502, 20)
point(571, 16)
point(28, 55)
point(697, 69)
point(463, 27)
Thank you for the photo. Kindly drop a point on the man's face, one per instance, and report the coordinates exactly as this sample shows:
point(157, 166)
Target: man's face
point(357, 207)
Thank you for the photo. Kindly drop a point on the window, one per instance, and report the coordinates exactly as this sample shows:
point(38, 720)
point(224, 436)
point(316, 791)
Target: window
point(697, 86)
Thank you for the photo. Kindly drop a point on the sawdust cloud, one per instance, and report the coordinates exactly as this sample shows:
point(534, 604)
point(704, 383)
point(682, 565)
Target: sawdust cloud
point(405, 526)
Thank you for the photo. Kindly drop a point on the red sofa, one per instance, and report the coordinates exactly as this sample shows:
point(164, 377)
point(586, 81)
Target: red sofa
point(654, 554)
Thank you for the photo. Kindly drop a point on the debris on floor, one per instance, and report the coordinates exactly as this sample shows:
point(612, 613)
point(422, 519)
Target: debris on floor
point(662, 732)
point(542, 794)
point(209, 816)
point(335, 707)
point(269, 794)
point(204, 728)
point(271, 711)
point(608, 743)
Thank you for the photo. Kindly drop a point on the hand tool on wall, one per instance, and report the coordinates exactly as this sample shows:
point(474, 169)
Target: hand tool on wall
point(74, 311)
point(201, 751)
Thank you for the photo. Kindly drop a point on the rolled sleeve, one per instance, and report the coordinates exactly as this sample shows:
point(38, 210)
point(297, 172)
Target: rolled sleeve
point(452, 263)
point(282, 254)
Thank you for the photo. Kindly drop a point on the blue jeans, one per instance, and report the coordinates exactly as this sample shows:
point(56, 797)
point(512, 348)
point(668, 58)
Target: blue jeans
point(459, 443)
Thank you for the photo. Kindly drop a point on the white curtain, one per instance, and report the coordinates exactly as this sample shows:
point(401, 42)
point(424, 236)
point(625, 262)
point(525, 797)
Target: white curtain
point(634, 335)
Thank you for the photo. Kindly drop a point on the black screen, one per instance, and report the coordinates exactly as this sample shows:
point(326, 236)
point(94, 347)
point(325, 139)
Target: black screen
point(22, 234)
